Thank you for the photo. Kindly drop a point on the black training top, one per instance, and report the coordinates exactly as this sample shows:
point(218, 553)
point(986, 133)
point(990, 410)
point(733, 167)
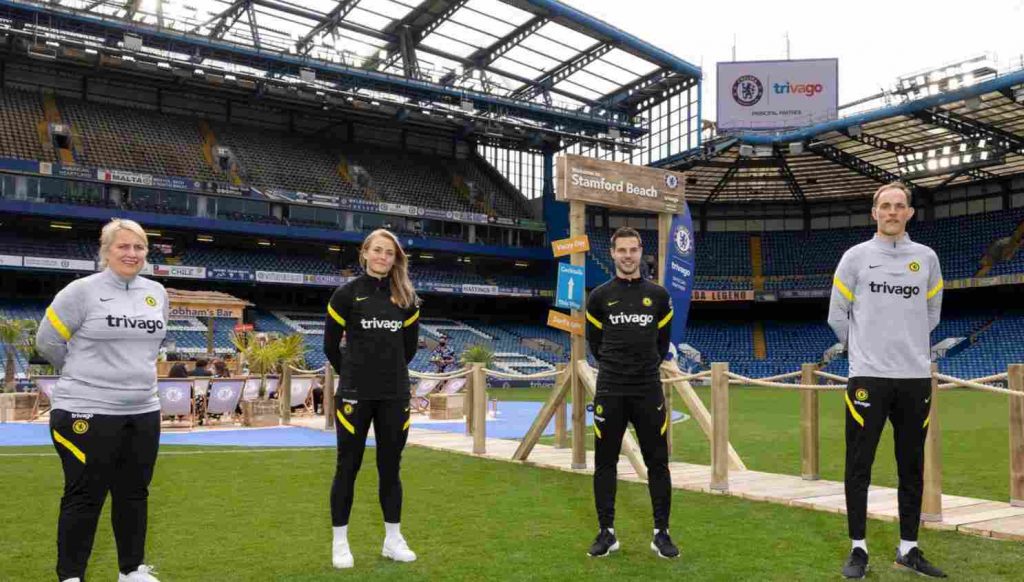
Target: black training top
point(628, 325)
point(381, 340)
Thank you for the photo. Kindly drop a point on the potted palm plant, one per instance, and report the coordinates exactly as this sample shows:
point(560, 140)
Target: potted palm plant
point(478, 354)
point(263, 357)
point(16, 336)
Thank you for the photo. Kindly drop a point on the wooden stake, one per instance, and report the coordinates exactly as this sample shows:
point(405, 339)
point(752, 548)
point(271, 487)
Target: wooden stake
point(719, 426)
point(810, 456)
point(1016, 382)
point(479, 410)
point(328, 403)
point(577, 227)
point(544, 417)
point(931, 501)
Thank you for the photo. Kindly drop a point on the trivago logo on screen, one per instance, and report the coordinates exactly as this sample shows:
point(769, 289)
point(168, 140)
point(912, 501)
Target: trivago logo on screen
point(806, 89)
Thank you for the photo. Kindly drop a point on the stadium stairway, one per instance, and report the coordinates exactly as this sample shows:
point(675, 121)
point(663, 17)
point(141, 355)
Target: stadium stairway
point(760, 343)
point(756, 263)
point(209, 142)
point(51, 115)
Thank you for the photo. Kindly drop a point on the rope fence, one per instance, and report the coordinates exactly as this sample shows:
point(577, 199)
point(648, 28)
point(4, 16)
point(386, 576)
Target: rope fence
point(738, 379)
point(460, 373)
point(507, 376)
point(975, 385)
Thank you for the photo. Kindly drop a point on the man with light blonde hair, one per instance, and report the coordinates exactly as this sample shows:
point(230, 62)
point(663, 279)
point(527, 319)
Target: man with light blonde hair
point(886, 299)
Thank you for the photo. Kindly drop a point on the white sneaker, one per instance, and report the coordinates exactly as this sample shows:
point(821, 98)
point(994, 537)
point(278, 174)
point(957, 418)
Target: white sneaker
point(142, 574)
point(341, 555)
point(396, 549)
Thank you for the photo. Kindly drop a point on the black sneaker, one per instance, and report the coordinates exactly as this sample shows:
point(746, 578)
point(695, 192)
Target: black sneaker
point(604, 544)
point(662, 544)
point(856, 565)
point(914, 562)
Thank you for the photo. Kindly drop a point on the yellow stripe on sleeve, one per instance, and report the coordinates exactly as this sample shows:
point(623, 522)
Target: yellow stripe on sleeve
point(842, 288)
point(664, 427)
point(57, 324)
point(335, 316)
point(594, 320)
point(853, 411)
point(412, 319)
point(938, 287)
point(664, 321)
point(77, 452)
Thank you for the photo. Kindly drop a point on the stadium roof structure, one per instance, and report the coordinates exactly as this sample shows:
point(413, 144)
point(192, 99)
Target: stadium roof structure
point(519, 69)
point(929, 139)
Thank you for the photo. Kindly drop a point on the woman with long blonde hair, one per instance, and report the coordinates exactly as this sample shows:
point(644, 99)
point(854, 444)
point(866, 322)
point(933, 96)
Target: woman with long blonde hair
point(378, 314)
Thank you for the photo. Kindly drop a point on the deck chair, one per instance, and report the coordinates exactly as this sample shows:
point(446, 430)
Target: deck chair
point(224, 396)
point(302, 391)
point(44, 392)
point(200, 386)
point(419, 400)
point(272, 384)
point(176, 398)
point(453, 386)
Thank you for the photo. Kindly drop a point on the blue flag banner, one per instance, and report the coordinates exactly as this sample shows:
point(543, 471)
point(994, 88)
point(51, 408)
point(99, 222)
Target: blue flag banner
point(679, 271)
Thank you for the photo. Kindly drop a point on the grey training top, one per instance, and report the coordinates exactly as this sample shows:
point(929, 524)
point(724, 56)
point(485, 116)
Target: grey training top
point(104, 332)
point(886, 299)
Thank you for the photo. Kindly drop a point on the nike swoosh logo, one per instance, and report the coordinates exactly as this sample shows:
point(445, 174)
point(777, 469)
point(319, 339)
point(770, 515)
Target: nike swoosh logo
point(660, 406)
point(927, 400)
point(105, 300)
point(407, 410)
point(362, 298)
point(874, 266)
point(610, 303)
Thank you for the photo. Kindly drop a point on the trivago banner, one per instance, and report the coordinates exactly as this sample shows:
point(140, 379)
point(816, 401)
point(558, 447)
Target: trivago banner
point(777, 94)
point(679, 269)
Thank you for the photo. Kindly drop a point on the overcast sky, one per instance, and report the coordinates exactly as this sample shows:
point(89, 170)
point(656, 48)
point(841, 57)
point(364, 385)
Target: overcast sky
point(876, 41)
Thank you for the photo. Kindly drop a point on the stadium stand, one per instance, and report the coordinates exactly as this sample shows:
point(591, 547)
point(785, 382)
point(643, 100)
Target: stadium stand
point(807, 260)
point(20, 116)
point(144, 141)
point(125, 138)
point(992, 344)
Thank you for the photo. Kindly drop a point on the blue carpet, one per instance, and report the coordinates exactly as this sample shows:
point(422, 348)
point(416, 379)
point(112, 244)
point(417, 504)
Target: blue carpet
point(513, 420)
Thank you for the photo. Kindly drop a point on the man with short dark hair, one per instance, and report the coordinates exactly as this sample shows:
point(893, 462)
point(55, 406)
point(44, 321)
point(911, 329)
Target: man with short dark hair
point(200, 369)
point(628, 323)
point(442, 356)
point(886, 299)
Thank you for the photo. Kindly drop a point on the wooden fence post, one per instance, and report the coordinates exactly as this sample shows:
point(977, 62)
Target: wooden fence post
point(931, 501)
point(1016, 382)
point(479, 410)
point(328, 391)
point(810, 455)
point(719, 426)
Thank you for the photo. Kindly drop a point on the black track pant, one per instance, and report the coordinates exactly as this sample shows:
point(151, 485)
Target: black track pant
point(390, 420)
point(102, 453)
point(650, 419)
point(869, 402)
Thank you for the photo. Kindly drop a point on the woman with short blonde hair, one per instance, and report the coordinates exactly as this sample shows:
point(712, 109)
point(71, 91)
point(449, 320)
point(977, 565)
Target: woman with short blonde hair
point(104, 333)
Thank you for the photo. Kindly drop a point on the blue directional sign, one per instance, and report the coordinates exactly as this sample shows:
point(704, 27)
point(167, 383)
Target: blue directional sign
point(569, 293)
